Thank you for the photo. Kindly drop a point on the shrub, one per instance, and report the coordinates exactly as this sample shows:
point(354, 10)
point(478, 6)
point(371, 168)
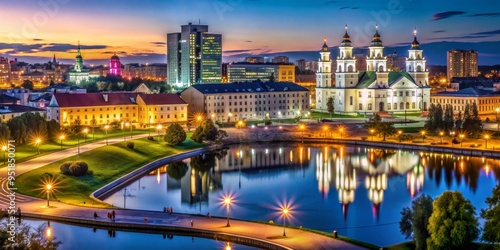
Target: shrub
point(364, 138)
point(406, 137)
point(151, 138)
point(65, 168)
point(268, 122)
point(487, 119)
point(455, 141)
point(130, 145)
point(175, 134)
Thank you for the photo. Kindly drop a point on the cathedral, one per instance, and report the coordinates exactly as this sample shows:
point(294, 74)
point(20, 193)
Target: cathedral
point(376, 88)
point(78, 74)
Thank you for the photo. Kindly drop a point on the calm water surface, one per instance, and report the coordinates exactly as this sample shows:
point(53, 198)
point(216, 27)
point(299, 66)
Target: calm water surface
point(357, 191)
point(77, 238)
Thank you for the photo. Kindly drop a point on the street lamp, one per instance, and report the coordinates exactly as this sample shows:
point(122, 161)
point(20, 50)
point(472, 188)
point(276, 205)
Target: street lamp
point(400, 132)
point(37, 144)
point(85, 131)
point(106, 129)
point(48, 188)
point(159, 127)
point(213, 117)
point(128, 125)
point(227, 202)
point(49, 230)
point(486, 137)
point(123, 129)
point(423, 135)
point(372, 131)
point(61, 137)
point(4, 149)
point(198, 118)
point(461, 139)
point(441, 133)
point(285, 212)
point(341, 132)
point(325, 128)
point(229, 117)
point(302, 127)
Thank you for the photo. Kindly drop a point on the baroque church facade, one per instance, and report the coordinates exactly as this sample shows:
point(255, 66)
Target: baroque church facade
point(374, 89)
point(78, 74)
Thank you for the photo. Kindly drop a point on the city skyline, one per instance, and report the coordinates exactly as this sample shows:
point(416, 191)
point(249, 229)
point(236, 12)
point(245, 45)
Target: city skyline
point(137, 31)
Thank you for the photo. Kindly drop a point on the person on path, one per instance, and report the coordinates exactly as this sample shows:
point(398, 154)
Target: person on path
point(95, 215)
point(192, 223)
point(113, 215)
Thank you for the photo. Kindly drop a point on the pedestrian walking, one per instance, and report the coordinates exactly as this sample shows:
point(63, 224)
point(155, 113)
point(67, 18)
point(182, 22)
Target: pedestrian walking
point(113, 215)
point(109, 215)
point(19, 212)
point(95, 215)
point(192, 223)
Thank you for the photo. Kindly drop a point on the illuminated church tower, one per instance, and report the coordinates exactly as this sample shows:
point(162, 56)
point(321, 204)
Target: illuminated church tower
point(323, 77)
point(115, 66)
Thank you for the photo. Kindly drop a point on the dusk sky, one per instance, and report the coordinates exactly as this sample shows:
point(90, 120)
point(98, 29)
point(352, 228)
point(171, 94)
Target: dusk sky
point(136, 30)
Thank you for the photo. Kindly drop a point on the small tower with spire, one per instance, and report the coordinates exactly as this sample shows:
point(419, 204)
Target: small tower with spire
point(376, 60)
point(415, 61)
point(323, 76)
point(346, 73)
point(78, 60)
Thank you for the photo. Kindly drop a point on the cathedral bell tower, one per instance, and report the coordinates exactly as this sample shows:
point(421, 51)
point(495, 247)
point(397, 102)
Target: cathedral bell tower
point(323, 77)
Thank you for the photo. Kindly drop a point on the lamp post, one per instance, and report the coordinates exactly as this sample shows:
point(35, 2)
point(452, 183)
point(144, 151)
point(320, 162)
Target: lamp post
point(285, 212)
point(78, 144)
point(123, 130)
point(325, 128)
point(229, 117)
point(341, 132)
point(61, 137)
point(4, 149)
point(159, 127)
point(486, 137)
point(423, 135)
point(302, 127)
point(106, 127)
point(400, 132)
point(372, 131)
point(48, 187)
point(441, 135)
point(199, 118)
point(128, 125)
point(37, 143)
point(227, 202)
point(85, 131)
point(461, 139)
point(213, 117)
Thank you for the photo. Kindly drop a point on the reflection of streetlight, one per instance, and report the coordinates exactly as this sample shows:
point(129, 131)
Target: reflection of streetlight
point(227, 202)
point(372, 131)
point(61, 137)
point(106, 129)
point(285, 212)
point(48, 188)
point(302, 127)
point(400, 132)
point(49, 230)
point(37, 144)
point(486, 137)
point(441, 135)
point(228, 246)
point(325, 128)
point(461, 139)
point(159, 127)
point(4, 149)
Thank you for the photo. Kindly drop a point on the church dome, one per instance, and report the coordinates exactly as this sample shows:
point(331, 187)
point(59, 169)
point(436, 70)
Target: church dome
point(376, 42)
point(325, 47)
point(346, 41)
point(115, 57)
point(415, 44)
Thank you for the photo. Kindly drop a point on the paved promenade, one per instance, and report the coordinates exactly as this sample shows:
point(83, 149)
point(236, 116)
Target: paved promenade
point(296, 239)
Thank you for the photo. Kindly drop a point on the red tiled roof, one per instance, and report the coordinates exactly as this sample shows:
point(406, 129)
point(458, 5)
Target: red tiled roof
point(114, 99)
point(162, 99)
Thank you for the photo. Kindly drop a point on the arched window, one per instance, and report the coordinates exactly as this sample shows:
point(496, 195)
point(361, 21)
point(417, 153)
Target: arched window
point(407, 105)
point(401, 105)
point(360, 106)
point(413, 105)
point(419, 68)
point(350, 68)
point(395, 106)
point(381, 68)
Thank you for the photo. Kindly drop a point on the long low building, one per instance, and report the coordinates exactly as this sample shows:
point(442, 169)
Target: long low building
point(248, 100)
point(137, 108)
point(487, 101)
point(9, 111)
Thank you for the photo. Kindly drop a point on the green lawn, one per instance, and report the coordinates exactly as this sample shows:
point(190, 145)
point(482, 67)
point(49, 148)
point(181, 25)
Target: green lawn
point(417, 114)
point(108, 163)
point(28, 151)
point(316, 115)
point(411, 246)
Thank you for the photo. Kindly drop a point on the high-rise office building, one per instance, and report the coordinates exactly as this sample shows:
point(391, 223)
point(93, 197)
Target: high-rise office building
point(243, 72)
point(4, 71)
point(281, 59)
point(461, 63)
point(194, 56)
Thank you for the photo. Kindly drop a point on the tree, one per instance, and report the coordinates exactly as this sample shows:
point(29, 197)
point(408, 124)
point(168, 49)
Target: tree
point(207, 131)
point(459, 121)
point(414, 221)
point(27, 237)
point(382, 128)
point(188, 125)
point(472, 123)
point(448, 118)
point(175, 134)
point(4, 134)
point(330, 106)
point(453, 224)
point(491, 215)
point(27, 84)
point(53, 129)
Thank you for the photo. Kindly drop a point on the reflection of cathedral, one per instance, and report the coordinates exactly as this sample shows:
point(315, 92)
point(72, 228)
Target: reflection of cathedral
point(415, 180)
point(345, 182)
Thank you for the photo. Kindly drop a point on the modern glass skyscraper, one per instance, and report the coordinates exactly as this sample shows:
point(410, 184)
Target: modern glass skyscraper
point(194, 56)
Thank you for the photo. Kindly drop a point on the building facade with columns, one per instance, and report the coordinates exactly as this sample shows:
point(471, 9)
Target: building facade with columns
point(376, 88)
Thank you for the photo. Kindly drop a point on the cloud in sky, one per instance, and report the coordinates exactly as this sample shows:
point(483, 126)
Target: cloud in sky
point(488, 33)
point(447, 14)
point(14, 48)
point(439, 31)
point(485, 14)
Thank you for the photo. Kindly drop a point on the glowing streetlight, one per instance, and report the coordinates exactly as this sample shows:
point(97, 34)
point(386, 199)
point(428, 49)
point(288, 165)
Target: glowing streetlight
point(325, 128)
point(37, 144)
point(341, 130)
point(240, 124)
point(285, 211)
point(48, 188)
point(106, 129)
point(441, 133)
point(229, 117)
point(213, 116)
point(227, 202)
point(400, 132)
point(49, 230)
point(61, 137)
point(198, 119)
point(228, 246)
point(4, 149)
point(372, 131)
point(302, 127)
point(461, 139)
point(423, 135)
point(85, 132)
point(486, 137)
point(159, 128)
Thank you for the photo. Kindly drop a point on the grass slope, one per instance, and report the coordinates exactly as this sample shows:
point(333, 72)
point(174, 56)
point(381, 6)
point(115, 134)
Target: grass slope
point(108, 163)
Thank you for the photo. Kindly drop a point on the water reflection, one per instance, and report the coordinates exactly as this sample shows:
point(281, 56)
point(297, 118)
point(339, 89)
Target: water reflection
point(374, 183)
